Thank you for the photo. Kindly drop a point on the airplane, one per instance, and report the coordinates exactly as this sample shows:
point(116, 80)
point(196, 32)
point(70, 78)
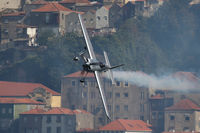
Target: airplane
point(91, 64)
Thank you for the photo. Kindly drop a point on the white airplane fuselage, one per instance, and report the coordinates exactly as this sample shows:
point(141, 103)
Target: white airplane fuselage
point(94, 65)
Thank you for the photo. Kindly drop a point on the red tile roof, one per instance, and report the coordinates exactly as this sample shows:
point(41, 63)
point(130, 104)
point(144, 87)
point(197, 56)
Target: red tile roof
point(14, 14)
point(158, 96)
point(21, 88)
point(184, 104)
point(34, 111)
point(187, 76)
point(6, 100)
point(79, 75)
point(180, 132)
point(59, 111)
point(74, 1)
point(52, 7)
point(39, 2)
point(56, 110)
point(126, 125)
point(79, 111)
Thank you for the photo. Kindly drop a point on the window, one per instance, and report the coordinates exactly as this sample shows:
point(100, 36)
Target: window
point(126, 94)
point(62, 16)
point(48, 119)
point(10, 110)
point(141, 107)
point(58, 118)
point(84, 94)
point(117, 95)
point(153, 115)
point(172, 117)
point(58, 130)
point(92, 108)
point(73, 83)
point(187, 118)
point(91, 20)
point(47, 17)
point(160, 115)
point(118, 83)
point(109, 95)
point(84, 107)
point(48, 129)
point(117, 108)
point(98, 18)
point(72, 106)
point(3, 111)
point(109, 107)
point(126, 84)
point(126, 107)
point(142, 95)
point(84, 20)
point(141, 117)
point(93, 95)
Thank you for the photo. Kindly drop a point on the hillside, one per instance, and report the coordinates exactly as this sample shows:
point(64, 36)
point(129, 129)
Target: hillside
point(169, 40)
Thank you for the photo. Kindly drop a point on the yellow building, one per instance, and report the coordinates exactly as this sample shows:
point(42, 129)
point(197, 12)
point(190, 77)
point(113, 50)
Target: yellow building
point(34, 91)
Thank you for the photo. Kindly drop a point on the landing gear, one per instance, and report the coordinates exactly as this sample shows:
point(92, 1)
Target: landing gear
point(84, 75)
point(75, 58)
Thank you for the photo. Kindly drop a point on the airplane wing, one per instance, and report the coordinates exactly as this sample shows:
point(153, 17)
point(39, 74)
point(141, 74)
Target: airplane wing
point(87, 39)
point(109, 70)
point(103, 98)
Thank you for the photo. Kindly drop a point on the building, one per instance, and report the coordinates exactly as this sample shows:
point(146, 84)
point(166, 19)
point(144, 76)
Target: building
point(126, 126)
point(158, 103)
point(34, 91)
point(19, 35)
point(10, 4)
point(124, 100)
point(69, 22)
point(102, 18)
point(10, 108)
point(109, 2)
point(183, 116)
point(55, 120)
point(47, 16)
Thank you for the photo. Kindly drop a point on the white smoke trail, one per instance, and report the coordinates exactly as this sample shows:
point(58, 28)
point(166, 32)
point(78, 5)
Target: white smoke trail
point(156, 82)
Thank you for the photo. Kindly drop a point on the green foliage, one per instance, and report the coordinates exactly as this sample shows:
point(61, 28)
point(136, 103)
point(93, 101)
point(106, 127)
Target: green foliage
point(169, 39)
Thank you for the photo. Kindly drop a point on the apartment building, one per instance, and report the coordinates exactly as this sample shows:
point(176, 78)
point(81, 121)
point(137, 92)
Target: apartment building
point(124, 100)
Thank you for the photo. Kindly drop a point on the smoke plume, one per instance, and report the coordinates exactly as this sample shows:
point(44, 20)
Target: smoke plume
point(168, 82)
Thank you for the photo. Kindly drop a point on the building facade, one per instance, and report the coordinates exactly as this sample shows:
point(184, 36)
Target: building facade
point(55, 120)
point(10, 108)
point(124, 100)
point(184, 116)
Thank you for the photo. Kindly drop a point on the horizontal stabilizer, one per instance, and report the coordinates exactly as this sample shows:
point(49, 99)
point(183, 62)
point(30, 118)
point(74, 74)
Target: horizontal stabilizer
point(116, 66)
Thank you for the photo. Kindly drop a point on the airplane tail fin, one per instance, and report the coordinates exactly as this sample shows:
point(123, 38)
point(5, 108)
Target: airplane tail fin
point(109, 70)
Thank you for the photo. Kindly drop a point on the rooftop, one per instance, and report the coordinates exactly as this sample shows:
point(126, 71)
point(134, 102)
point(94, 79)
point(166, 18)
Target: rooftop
point(126, 125)
point(34, 111)
point(21, 88)
point(184, 104)
point(52, 7)
point(78, 75)
point(14, 14)
point(6, 100)
point(56, 110)
point(74, 1)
